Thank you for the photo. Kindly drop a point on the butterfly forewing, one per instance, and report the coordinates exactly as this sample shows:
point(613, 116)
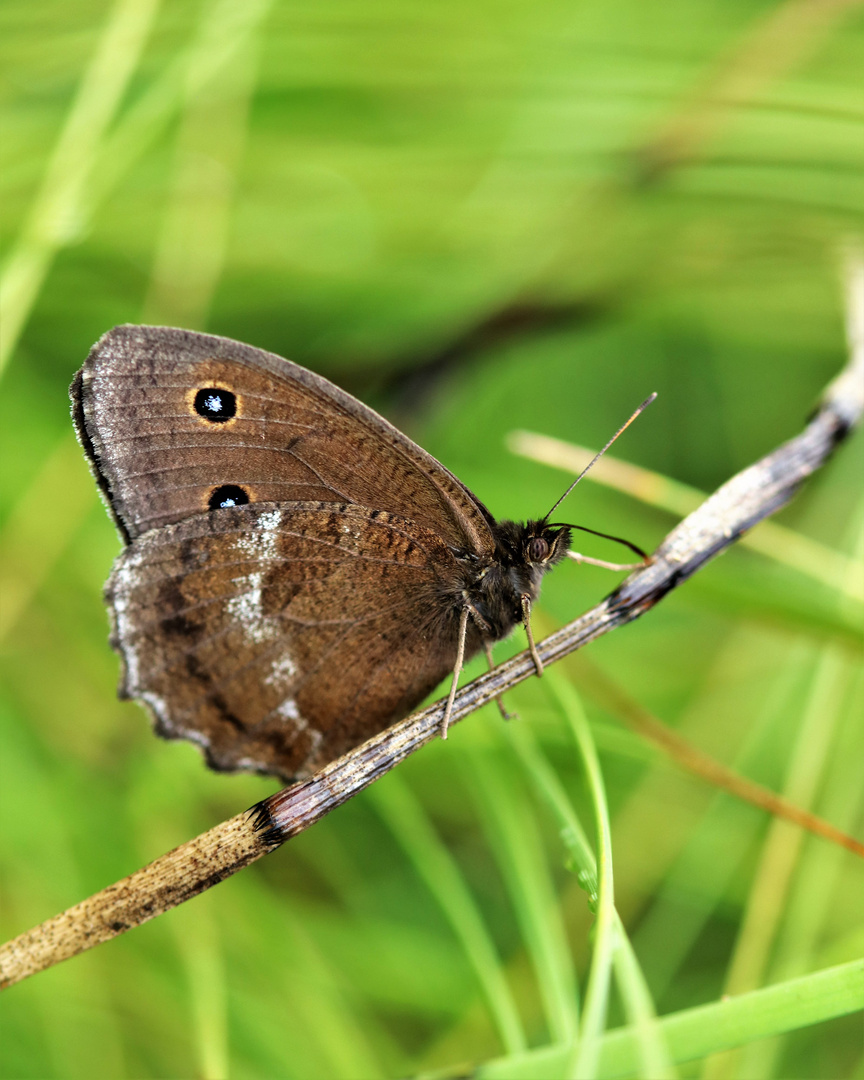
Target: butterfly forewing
point(176, 422)
point(251, 630)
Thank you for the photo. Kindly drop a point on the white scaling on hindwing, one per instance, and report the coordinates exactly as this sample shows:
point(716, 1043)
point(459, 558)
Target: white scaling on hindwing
point(282, 671)
point(261, 548)
point(125, 579)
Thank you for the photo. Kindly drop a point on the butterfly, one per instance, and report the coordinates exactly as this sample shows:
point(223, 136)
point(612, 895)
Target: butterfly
point(297, 574)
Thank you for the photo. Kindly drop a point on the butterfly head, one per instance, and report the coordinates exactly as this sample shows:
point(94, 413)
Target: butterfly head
point(526, 551)
point(523, 554)
point(544, 545)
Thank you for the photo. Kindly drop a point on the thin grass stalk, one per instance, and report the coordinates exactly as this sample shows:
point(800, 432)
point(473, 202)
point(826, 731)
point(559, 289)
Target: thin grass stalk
point(666, 922)
point(582, 1063)
point(692, 1034)
point(55, 218)
point(516, 841)
point(632, 986)
point(413, 831)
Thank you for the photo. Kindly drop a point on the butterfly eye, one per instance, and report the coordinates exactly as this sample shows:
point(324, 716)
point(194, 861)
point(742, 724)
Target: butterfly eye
point(227, 495)
point(538, 549)
point(215, 404)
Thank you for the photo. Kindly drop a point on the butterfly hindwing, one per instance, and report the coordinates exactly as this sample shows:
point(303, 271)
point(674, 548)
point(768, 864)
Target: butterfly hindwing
point(250, 630)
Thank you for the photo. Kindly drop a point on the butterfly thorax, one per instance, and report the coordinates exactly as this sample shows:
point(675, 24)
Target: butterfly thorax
point(494, 589)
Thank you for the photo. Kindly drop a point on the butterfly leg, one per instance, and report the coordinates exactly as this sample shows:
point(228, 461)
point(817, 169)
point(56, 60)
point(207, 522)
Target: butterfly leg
point(578, 557)
point(532, 648)
point(457, 668)
point(499, 701)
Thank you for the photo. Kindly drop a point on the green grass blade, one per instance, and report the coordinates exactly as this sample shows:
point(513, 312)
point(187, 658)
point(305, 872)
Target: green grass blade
point(518, 846)
point(823, 874)
point(695, 1033)
point(654, 1060)
point(771, 905)
point(195, 227)
point(632, 986)
point(223, 34)
point(410, 826)
point(55, 217)
point(782, 847)
point(551, 791)
point(583, 1059)
point(200, 948)
point(668, 932)
point(40, 527)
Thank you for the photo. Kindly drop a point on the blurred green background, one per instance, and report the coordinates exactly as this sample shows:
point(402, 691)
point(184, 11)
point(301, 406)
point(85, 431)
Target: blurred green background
point(477, 217)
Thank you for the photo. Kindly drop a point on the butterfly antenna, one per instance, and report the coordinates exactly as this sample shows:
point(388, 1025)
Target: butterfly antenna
point(600, 454)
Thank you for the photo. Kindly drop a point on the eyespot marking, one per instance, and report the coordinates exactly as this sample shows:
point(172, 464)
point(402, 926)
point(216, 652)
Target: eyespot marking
point(227, 495)
point(216, 404)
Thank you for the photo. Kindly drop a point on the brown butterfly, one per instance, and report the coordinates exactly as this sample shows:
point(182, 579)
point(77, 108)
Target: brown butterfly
point(297, 574)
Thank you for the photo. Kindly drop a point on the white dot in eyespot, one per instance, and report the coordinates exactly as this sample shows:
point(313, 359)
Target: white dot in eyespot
point(214, 403)
point(227, 502)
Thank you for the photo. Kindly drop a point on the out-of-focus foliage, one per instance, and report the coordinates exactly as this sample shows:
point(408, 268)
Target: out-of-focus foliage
point(476, 216)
